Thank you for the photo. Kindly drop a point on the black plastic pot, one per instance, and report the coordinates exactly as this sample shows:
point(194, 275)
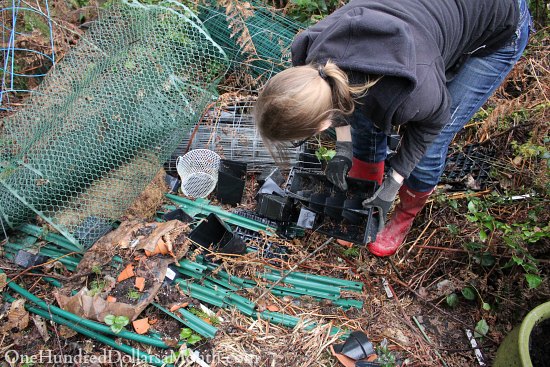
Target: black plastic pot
point(350, 216)
point(309, 161)
point(334, 206)
point(215, 234)
point(271, 187)
point(178, 214)
point(173, 183)
point(306, 218)
point(317, 202)
point(26, 259)
point(274, 207)
point(272, 173)
point(91, 229)
point(231, 182)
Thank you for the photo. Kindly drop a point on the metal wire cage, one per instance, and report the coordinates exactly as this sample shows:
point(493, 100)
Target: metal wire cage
point(25, 59)
point(227, 128)
point(106, 117)
point(257, 43)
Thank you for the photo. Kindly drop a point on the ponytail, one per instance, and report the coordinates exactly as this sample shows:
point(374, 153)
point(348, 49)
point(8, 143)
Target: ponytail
point(296, 103)
point(343, 94)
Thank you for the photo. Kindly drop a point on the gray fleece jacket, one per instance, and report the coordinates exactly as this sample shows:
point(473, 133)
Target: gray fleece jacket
point(416, 45)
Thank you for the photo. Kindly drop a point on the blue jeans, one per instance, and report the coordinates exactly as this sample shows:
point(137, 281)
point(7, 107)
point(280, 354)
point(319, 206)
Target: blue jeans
point(474, 83)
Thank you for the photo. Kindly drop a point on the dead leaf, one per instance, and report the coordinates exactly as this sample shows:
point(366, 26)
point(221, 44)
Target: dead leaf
point(273, 308)
point(66, 332)
point(104, 249)
point(150, 242)
point(3, 281)
point(471, 183)
point(96, 308)
point(171, 342)
point(93, 308)
point(18, 317)
point(88, 346)
point(41, 326)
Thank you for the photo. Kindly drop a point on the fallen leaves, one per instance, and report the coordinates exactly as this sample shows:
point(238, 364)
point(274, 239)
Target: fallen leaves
point(3, 281)
point(41, 326)
point(18, 317)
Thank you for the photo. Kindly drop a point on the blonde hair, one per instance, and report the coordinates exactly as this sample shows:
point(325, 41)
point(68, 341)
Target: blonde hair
point(295, 102)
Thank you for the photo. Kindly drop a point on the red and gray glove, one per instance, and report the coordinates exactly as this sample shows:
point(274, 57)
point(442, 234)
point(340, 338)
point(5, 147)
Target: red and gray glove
point(383, 198)
point(339, 166)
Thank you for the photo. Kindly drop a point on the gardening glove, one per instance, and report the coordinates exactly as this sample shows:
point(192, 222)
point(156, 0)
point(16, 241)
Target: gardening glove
point(339, 166)
point(383, 198)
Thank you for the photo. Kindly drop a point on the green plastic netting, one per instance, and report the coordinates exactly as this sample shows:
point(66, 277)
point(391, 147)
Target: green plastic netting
point(106, 118)
point(256, 38)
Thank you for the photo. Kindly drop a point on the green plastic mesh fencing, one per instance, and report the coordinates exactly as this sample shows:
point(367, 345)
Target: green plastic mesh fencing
point(256, 38)
point(106, 118)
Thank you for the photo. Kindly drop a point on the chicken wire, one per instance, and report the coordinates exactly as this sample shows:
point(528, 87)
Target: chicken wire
point(106, 118)
point(257, 40)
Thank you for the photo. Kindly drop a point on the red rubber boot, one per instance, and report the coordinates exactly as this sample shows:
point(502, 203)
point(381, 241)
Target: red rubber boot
point(367, 171)
point(391, 237)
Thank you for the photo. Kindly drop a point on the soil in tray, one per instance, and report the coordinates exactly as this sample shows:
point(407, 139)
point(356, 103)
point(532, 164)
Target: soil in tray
point(168, 295)
point(539, 343)
point(126, 292)
point(343, 230)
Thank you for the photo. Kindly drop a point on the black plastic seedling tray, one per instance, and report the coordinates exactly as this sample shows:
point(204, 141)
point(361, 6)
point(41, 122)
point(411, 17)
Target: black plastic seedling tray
point(339, 214)
point(473, 160)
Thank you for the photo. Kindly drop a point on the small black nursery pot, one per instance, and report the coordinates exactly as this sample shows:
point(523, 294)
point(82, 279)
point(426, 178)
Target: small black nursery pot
point(231, 182)
point(355, 203)
point(317, 201)
point(274, 207)
point(334, 205)
point(214, 233)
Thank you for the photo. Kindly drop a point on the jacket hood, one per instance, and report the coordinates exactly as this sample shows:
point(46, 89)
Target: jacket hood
point(361, 37)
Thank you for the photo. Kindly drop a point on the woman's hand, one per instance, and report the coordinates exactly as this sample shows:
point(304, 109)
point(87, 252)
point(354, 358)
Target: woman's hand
point(339, 166)
point(384, 197)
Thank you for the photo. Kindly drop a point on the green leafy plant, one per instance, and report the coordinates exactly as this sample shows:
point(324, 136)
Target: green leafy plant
point(117, 323)
point(471, 293)
point(205, 316)
point(386, 358)
point(97, 286)
point(27, 361)
point(325, 154)
point(481, 329)
point(172, 358)
point(133, 294)
point(96, 269)
point(452, 300)
point(187, 335)
point(352, 252)
point(311, 11)
point(516, 236)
